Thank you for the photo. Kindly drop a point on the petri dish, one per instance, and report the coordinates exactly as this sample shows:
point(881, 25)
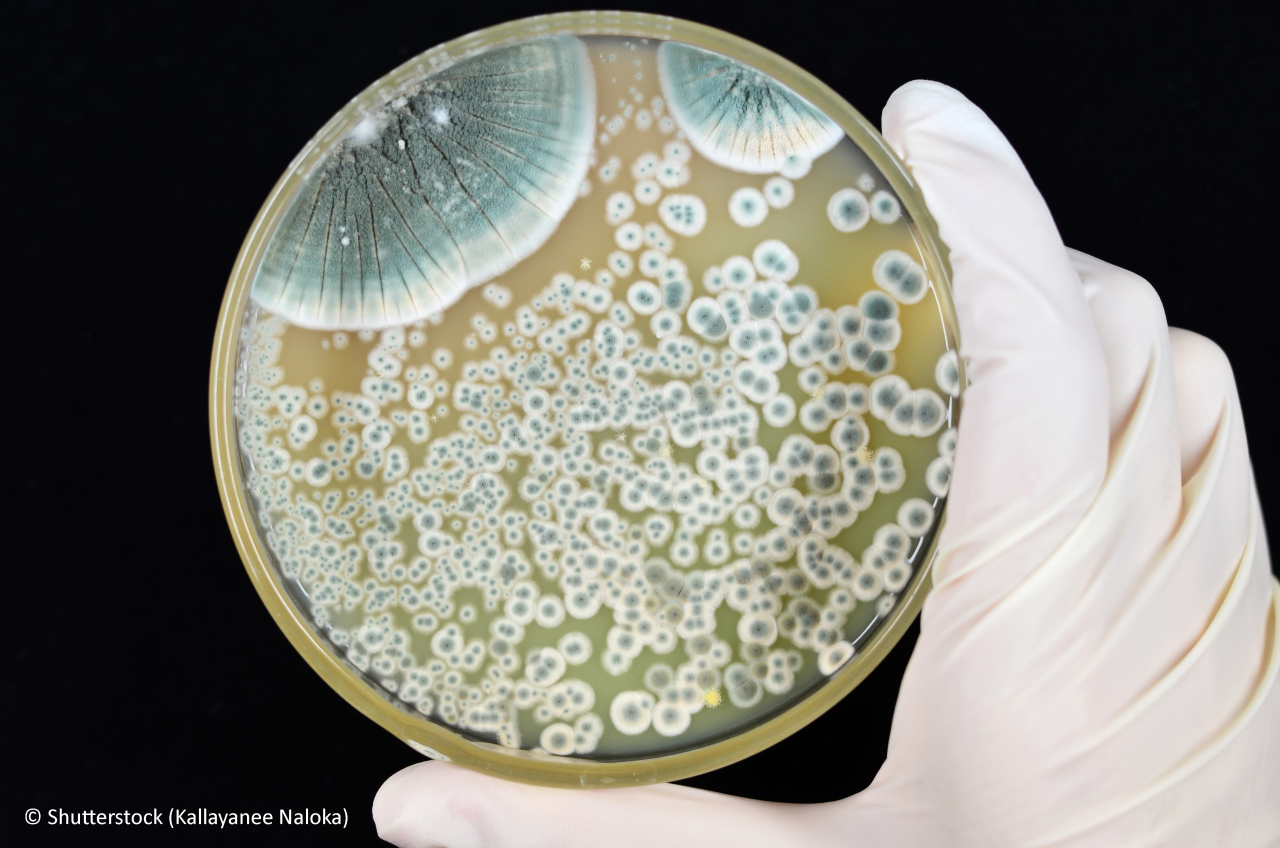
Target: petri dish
point(583, 399)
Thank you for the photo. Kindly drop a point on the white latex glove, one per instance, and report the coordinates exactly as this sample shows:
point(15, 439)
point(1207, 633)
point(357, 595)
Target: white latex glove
point(1097, 662)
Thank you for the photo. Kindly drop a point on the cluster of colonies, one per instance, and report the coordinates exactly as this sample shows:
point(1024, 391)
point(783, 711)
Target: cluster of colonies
point(601, 471)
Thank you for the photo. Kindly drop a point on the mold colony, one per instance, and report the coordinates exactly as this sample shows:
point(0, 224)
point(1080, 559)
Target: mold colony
point(613, 512)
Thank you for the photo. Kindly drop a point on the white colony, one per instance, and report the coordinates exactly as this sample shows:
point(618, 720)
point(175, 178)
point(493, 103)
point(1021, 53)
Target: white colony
point(608, 172)
point(795, 166)
point(670, 719)
point(747, 207)
point(947, 373)
point(916, 516)
point(885, 208)
point(618, 208)
point(901, 276)
point(647, 192)
point(848, 210)
point(779, 192)
point(631, 712)
point(645, 166)
point(672, 173)
point(651, 263)
point(590, 465)
point(738, 272)
point(629, 236)
point(621, 263)
point(775, 261)
point(713, 279)
point(677, 151)
point(683, 214)
point(557, 738)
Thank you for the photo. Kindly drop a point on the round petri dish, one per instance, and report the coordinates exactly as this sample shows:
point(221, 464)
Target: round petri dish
point(583, 399)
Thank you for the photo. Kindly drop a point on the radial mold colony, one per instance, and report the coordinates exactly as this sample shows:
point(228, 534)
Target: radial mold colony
point(593, 399)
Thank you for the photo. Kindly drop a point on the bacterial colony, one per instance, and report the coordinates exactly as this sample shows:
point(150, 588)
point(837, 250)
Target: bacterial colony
point(593, 398)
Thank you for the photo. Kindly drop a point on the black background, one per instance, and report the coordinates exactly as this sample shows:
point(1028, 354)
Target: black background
point(139, 140)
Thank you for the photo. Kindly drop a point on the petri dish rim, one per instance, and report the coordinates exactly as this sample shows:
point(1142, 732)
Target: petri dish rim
point(425, 736)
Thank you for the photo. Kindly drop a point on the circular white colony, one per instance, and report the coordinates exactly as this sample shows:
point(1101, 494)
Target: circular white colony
point(575, 647)
point(618, 208)
point(677, 151)
point(947, 373)
point(867, 585)
point(683, 214)
point(557, 739)
point(655, 236)
point(677, 292)
point(744, 691)
point(884, 207)
point(889, 471)
point(317, 472)
point(775, 261)
point(896, 577)
point(659, 677)
point(705, 319)
point(832, 657)
point(629, 236)
point(901, 276)
point(848, 210)
point(758, 628)
point(670, 719)
point(652, 263)
point(620, 263)
point(609, 171)
point(644, 297)
point(930, 413)
point(672, 174)
point(794, 167)
point(738, 272)
point(938, 476)
point(631, 712)
point(879, 362)
point(779, 192)
point(664, 323)
point(647, 192)
point(780, 411)
point(747, 207)
point(886, 393)
point(713, 279)
point(916, 516)
point(550, 612)
point(645, 165)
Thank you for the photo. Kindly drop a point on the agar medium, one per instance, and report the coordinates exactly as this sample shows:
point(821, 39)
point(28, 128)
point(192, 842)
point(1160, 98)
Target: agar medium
point(584, 400)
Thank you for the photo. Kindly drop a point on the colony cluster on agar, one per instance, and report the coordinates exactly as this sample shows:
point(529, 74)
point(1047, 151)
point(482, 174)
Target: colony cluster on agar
point(590, 462)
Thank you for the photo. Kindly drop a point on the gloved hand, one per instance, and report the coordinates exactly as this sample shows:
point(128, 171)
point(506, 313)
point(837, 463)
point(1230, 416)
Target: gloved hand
point(1097, 662)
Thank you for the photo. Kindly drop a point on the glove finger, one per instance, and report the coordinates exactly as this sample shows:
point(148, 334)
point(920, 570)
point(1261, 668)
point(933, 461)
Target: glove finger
point(1184, 676)
point(1084, 588)
point(1205, 387)
point(444, 806)
point(1143, 591)
point(1033, 432)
